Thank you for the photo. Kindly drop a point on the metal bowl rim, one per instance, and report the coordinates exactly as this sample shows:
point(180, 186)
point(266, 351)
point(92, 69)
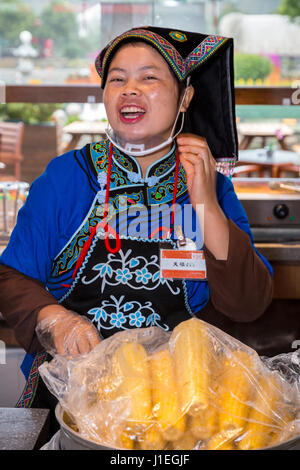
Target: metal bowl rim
point(74, 435)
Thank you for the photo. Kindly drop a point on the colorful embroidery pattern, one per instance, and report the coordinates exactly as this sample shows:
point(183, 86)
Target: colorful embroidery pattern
point(182, 67)
point(28, 394)
point(114, 313)
point(134, 272)
point(181, 37)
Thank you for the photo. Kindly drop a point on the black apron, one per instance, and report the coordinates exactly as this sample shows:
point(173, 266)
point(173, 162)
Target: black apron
point(124, 290)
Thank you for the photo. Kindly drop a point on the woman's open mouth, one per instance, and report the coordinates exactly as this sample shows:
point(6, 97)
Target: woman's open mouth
point(131, 114)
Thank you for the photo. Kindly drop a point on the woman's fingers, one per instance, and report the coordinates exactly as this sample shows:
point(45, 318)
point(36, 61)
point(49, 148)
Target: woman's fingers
point(187, 139)
point(200, 163)
point(93, 338)
point(192, 148)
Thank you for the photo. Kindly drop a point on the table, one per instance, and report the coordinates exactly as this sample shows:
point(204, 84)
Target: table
point(23, 428)
point(264, 130)
point(278, 160)
point(79, 128)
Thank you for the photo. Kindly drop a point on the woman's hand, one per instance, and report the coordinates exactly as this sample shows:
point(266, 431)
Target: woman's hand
point(200, 168)
point(61, 331)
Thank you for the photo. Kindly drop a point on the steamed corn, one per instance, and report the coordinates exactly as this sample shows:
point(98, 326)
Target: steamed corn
point(130, 365)
point(262, 419)
point(205, 424)
point(195, 393)
point(126, 441)
point(186, 442)
point(190, 347)
point(223, 440)
point(236, 389)
point(166, 406)
point(152, 438)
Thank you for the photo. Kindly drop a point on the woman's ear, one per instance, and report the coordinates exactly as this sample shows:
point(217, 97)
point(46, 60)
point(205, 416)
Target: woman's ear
point(188, 98)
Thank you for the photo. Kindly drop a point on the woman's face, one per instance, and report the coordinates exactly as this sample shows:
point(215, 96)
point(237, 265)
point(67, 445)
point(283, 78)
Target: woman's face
point(141, 95)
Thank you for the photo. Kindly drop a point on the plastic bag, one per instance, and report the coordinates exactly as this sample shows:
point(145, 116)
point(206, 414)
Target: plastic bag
point(193, 388)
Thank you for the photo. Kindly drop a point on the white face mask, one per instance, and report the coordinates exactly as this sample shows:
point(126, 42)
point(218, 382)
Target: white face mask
point(138, 150)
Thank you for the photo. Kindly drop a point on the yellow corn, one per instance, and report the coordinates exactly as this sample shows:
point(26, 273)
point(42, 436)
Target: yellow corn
point(223, 440)
point(186, 442)
point(166, 406)
point(131, 367)
point(189, 344)
point(152, 439)
point(263, 417)
point(237, 385)
point(127, 441)
point(204, 425)
point(107, 388)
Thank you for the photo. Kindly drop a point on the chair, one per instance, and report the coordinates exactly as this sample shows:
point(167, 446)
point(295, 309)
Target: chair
point(247, 170)
point(289, 168)
point(11, 146)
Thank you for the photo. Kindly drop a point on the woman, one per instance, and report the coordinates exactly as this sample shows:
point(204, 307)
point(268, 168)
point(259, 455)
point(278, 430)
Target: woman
point(74, 269)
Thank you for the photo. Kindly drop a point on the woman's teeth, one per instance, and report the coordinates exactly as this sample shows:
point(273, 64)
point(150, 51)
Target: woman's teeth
point(132, 112)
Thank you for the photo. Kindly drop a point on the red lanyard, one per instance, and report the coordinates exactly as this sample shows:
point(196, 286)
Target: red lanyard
point(109, 230)
point(104, 224)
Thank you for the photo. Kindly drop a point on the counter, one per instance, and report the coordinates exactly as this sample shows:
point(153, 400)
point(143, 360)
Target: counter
point(23, 428)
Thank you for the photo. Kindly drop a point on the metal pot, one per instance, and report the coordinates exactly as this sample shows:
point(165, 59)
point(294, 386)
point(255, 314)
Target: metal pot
point(71, 440)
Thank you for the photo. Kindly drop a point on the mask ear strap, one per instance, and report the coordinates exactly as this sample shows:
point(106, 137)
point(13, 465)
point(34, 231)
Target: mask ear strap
point(182, 119)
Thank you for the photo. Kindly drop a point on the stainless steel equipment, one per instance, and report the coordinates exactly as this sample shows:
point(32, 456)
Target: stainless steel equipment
point(272, 206)
point(68, 439)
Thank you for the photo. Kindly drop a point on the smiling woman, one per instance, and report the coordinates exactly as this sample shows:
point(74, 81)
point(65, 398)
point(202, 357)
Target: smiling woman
point(73, 288)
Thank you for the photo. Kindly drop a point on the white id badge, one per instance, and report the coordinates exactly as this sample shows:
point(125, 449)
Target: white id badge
point(182, 264)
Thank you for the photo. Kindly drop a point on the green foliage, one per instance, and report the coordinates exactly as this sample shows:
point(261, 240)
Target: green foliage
point(27, 112)
point(59, 23)
point(290, 8)
point(251, 66)
point(14, 18)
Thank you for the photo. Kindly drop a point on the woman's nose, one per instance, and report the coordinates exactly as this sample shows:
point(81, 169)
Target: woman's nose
point(131, 88)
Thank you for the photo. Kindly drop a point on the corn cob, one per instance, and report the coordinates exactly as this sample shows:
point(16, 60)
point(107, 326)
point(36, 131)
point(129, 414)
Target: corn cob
point(107, 388)
point(166, 407)
point(236, 389)
point(263, 417)
point(186, 442)
point(223, 440)
point(126, 441)
point(204, 425)
point(189, 344)
point(130, 365)
point(152, 439)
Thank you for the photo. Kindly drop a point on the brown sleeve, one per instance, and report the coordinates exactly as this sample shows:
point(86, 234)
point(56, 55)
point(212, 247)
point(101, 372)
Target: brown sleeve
point(21, 299)
point(241, 287)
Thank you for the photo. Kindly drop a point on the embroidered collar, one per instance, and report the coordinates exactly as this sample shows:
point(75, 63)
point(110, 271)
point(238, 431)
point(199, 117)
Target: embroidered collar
point(126, 175)
point(156, 170)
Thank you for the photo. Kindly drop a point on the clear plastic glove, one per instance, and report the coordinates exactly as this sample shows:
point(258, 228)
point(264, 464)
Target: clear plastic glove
point(66, 332)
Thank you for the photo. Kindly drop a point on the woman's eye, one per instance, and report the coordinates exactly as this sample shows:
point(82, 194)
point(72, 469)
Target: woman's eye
point(150, 77)
point(116, 79)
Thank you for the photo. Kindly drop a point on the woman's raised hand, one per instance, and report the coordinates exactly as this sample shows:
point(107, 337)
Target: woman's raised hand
point(200, 168)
